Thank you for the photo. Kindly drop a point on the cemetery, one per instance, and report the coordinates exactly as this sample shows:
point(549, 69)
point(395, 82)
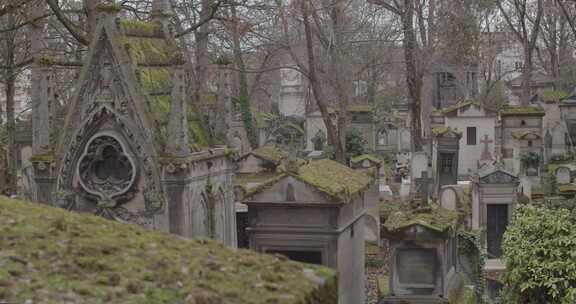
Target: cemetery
point(306, 152)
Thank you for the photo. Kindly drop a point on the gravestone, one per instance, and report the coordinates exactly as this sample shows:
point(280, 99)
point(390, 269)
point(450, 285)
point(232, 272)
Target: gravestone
point(448, 198)
point(418, 164)
point(563, 175)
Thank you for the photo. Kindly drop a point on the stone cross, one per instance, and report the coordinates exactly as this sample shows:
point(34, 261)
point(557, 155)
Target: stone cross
point(486, 155)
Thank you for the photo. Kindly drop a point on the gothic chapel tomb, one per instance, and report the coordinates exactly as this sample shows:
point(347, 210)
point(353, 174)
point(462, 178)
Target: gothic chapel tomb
point(132, 147)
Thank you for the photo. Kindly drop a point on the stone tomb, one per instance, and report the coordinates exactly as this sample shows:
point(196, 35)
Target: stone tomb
point(423, 255)
point(494, 195)
point(127, 150)
point(315, 213)
point(445, 151)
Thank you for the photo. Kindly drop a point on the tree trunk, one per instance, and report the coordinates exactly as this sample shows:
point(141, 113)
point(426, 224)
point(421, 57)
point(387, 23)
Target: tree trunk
point(413, 77)
point(338, 66)
point(333, 134)
point(10, 83)
point(243, 92)
point(526, 76)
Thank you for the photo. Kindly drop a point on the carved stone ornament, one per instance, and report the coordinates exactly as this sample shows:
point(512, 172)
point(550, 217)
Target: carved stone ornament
point(498, 177)
point(105, 170)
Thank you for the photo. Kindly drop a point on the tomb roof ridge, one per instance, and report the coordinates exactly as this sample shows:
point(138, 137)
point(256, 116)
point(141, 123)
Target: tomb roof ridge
point(520, 110)
point(434, 218)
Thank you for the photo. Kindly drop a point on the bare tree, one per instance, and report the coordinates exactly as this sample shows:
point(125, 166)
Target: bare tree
point(524, 20)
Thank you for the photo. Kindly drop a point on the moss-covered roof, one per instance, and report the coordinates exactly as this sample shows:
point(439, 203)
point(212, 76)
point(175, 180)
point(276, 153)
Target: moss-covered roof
point(333, 178)
point(154, 58)
point(551, 96)
point(363, 157)
point(270, 153)
point(522, 110)
point(49, 255)
point(400, 215)
point(458, 106)
point(524, 134)
point(446, 132)
point(327, 176)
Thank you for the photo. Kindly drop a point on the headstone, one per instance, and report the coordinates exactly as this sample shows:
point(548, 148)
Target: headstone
point(405, 188)
point(448, 198)
point(563, 175)
point(418, 163)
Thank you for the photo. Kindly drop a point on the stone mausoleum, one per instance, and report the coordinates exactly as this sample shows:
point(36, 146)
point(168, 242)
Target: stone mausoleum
point(132, 147)
point(314, 212)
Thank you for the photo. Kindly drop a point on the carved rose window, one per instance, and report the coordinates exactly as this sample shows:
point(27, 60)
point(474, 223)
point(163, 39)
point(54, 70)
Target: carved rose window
point(105, 169)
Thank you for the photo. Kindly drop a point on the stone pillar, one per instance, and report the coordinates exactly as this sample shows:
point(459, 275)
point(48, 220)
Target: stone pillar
point(178, 144)
point(223, 123)
point(42, 94)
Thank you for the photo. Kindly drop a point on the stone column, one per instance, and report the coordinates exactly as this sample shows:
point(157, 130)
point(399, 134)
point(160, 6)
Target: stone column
point(223, 121)
point(178, 144)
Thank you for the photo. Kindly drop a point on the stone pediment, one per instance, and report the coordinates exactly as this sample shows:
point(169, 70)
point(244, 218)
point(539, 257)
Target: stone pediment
point(498, 177)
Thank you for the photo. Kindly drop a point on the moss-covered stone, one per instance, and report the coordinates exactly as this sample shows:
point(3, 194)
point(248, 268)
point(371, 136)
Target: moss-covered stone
point(363, 157)
point(333, 178)
point(551, 96)
point(446, 132)
point(109, 7)
point(49, 255)
point(458, 106)
point(522, 110)
point(270, 153)
point(141, 28)
point(397, 216)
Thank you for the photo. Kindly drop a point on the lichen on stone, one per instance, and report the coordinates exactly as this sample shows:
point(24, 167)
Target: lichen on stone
point(521, 110)
point(333, 178)
point(142, 28)
point(270, 153)
point(49, 255)
point(398, 215)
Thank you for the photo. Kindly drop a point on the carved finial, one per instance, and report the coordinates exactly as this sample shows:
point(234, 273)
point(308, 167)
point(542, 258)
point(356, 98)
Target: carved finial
point(161, 10)
point(178, 144)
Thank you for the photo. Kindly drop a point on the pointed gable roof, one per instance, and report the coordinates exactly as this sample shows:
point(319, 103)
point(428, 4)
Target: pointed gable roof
point(143, 59)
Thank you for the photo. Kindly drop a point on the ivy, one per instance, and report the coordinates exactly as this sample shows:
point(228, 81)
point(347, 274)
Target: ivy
point(530, 158)
point(470, 245)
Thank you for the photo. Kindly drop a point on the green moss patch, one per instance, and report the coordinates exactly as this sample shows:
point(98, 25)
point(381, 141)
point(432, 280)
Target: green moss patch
point(369, 157)
point(552, 96)
point(49, 255)
point(141, 28)
point(399, 215)
point(521, 110)
point(270, 153)
point(152, 51)
point(333, 178)
point(458, 106)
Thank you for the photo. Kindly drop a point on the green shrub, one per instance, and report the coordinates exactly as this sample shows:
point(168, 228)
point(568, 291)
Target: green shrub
point(540, 256)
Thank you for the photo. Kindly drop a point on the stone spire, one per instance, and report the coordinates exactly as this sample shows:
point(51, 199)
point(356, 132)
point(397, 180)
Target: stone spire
point(161, 9)
point(178, 145)
point(223, 117)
